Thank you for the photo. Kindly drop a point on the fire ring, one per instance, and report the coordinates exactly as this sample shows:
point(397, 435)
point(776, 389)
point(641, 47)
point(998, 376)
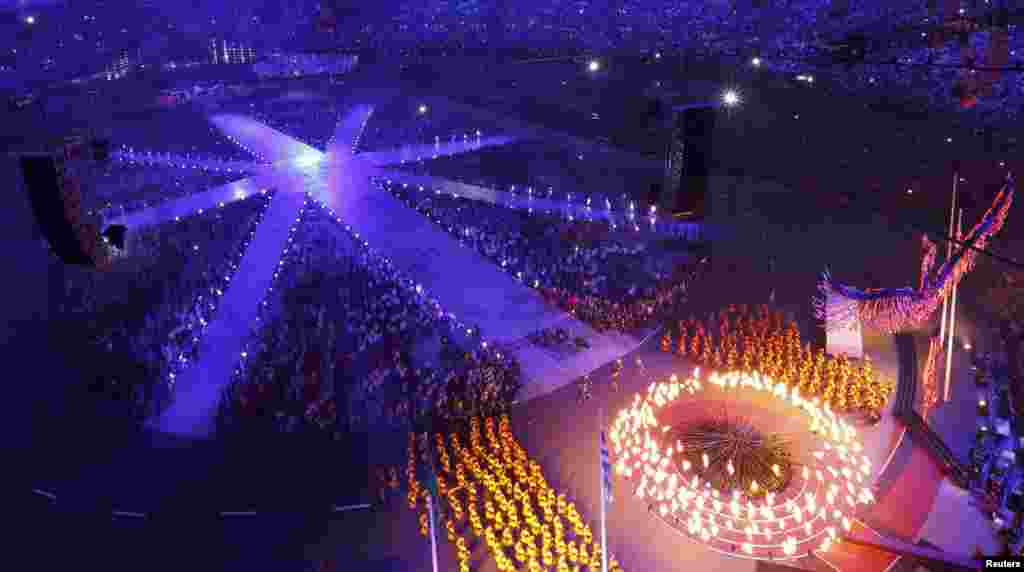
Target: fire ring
point(816, 494)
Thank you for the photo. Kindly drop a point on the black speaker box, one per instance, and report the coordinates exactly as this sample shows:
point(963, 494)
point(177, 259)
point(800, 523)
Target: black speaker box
point(101, 149)
point(116, 235)
point(41, 182)
point(695, 126)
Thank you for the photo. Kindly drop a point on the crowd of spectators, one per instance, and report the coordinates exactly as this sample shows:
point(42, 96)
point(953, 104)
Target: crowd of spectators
point(181, 130)
point(918, 68)
point(927, 75)
point(407, 123)
point(599, 274)
point(345, 342)
point(311, 123)
point(118, 187)
point(137, 324)
point(555, 171)
point(793, 38)
point(299, 65)
point(381, 348)
point(1011, 339)
point(562, 172)
point(790, 37)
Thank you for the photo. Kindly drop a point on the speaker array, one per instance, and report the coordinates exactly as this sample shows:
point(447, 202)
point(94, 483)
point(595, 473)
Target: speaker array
point(56, 198)
point(689, 163)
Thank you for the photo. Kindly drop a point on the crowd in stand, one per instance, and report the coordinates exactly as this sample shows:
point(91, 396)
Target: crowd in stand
point(794, 38)
point(925, 61)
point(929, 67)
point(604, 279)
point(937, 70)
point(139, 323)
point(341, 347)
point(995, 479)
point(299, 65)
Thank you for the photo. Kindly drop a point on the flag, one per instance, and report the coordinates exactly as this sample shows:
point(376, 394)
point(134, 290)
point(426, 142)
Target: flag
point(606, 469)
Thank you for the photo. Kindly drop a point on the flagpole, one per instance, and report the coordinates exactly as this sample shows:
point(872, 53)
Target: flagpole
point(949, 254)
point(432, 494)
point(604, 502)
point(433, 531)
point(952, 317)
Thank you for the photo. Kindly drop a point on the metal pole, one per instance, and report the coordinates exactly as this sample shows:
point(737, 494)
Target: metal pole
point(433, 531)
point(949, 254)
point(604, 502)
point(952, 319)
point(430, 512)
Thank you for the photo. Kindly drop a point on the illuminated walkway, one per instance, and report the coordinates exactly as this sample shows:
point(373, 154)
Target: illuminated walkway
point(466, 283)
point(198, 390)
point(186, 206)
point(649, 221)
point(185, 162)
point(430, 151)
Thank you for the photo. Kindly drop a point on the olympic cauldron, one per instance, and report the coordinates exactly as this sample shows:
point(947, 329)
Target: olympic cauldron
point(809, 514)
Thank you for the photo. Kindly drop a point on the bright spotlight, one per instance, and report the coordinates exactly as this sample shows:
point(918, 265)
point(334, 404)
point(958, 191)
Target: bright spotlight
point(594, 65)
point(756, 62)
point(30, 19)
point(422, 109)
point(731, 98)
point(308, 159)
